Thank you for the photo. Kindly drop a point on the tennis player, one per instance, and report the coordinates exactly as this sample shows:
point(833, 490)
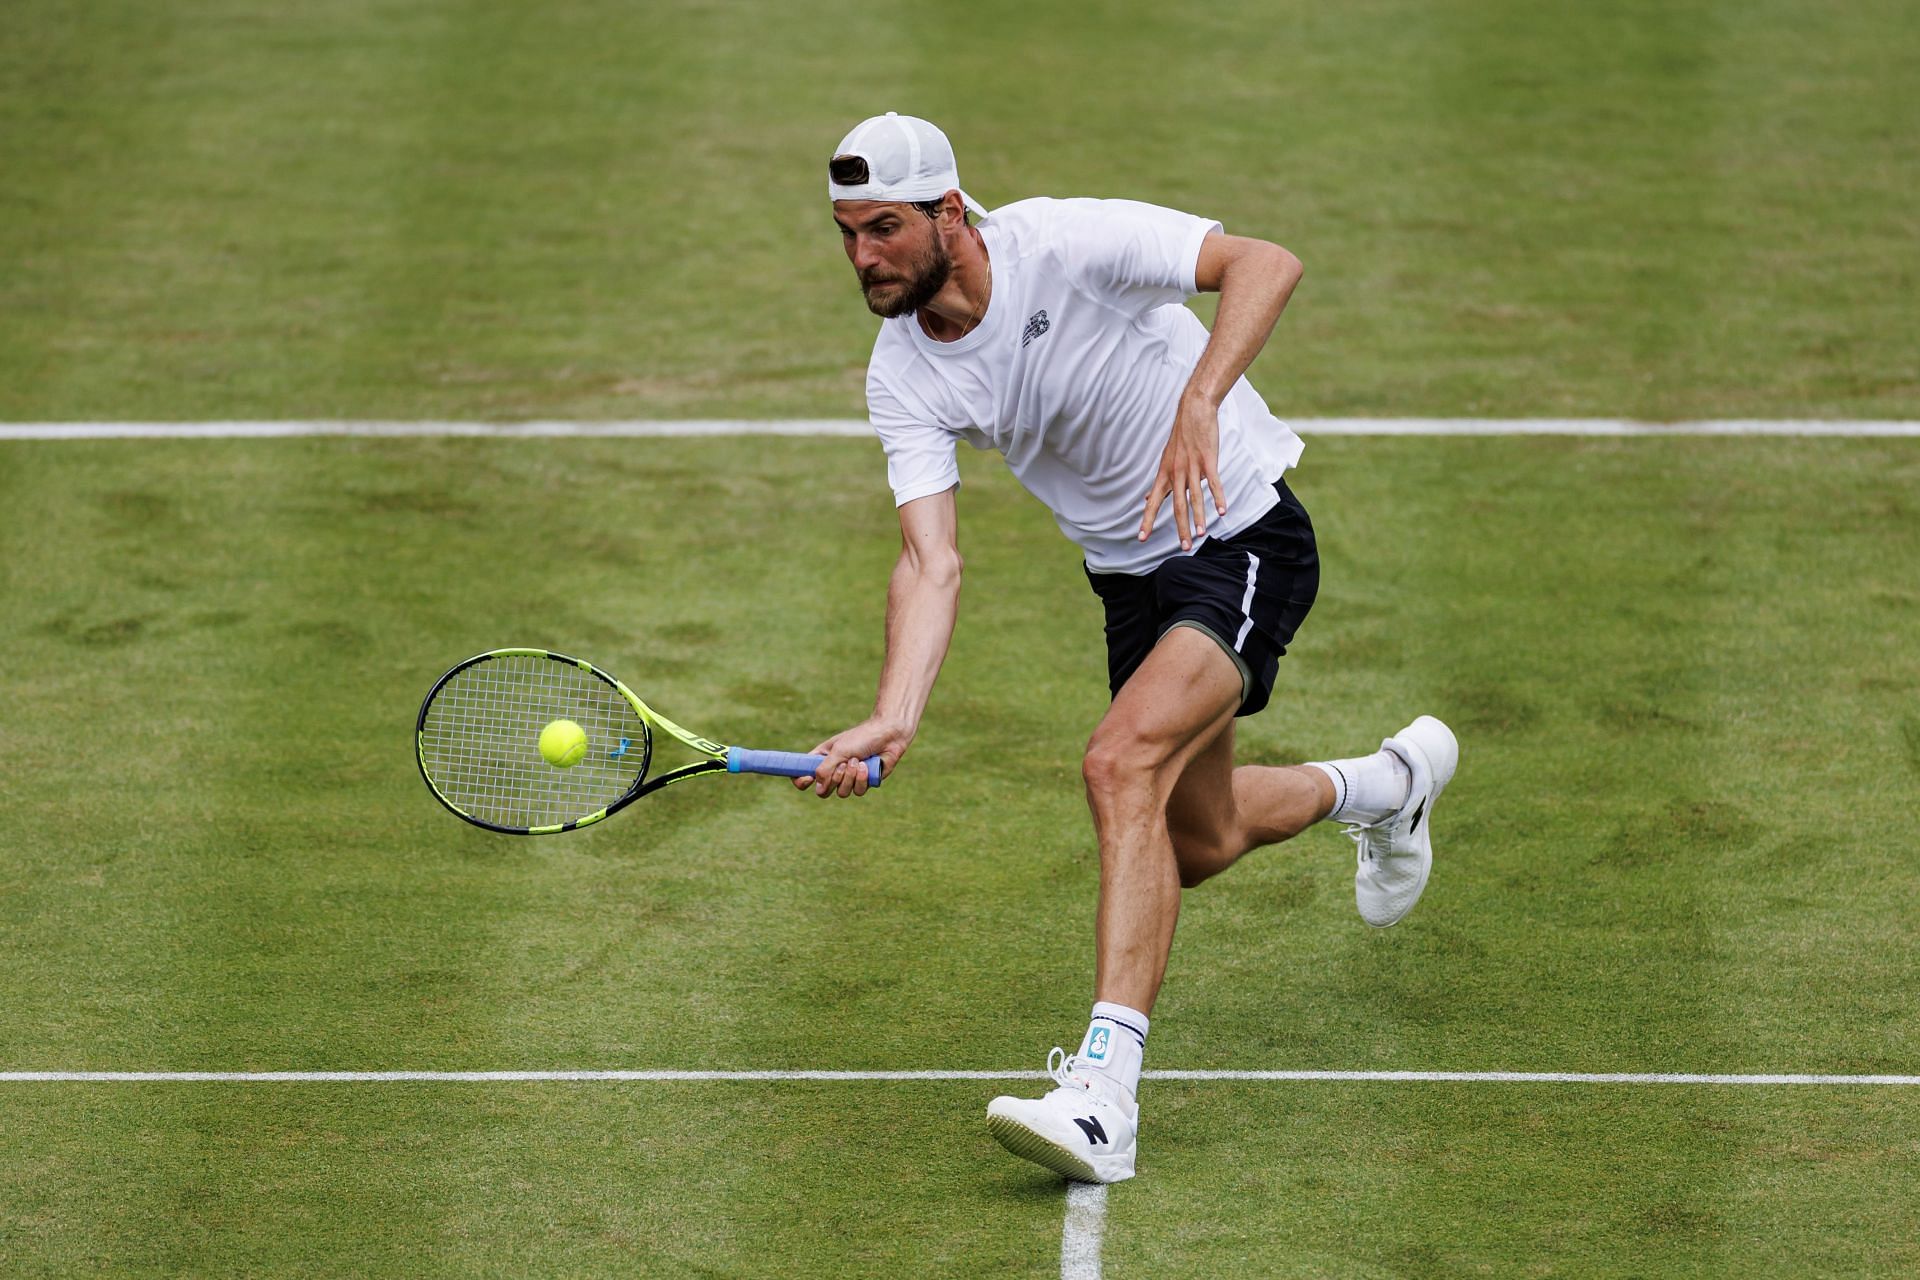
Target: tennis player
point(1054, 332)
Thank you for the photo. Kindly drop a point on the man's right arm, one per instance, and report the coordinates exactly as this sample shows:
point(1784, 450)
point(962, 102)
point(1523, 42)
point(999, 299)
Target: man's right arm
point(923, 599)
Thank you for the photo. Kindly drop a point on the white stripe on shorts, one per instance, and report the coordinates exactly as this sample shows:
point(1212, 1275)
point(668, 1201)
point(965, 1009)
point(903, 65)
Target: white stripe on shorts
point(1246, 602)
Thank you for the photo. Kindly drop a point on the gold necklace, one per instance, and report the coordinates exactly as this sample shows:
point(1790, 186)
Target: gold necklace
point(974, 319)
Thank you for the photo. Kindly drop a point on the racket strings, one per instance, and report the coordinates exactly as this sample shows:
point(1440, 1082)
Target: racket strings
point(480, 742)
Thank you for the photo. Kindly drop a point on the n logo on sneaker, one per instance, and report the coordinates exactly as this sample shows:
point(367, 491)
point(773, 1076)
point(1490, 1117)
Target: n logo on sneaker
point(1092, 1128)
point(1418, 813)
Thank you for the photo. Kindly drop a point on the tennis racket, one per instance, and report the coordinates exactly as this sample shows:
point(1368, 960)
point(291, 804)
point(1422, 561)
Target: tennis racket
point(478, 741)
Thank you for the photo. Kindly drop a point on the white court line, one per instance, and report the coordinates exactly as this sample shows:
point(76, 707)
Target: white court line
point(273, 430)
point(1084, 1224)
point(1080, 1231)
point(486, 1077)
point(1543, 1077)
point(516, 1077)
point(1597, 427)
point(855, 427)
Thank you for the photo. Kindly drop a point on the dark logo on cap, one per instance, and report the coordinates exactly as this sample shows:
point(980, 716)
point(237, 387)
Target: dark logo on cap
point(1036, 326)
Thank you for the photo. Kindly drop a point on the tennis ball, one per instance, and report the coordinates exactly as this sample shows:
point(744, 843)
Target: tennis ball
point(563, 744)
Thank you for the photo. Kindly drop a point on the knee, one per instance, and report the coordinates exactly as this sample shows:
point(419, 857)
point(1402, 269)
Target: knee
point(1117, 768)
point(1104, 770)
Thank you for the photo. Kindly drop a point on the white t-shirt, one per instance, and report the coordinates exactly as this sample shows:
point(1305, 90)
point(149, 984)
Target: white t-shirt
point(1073, 375)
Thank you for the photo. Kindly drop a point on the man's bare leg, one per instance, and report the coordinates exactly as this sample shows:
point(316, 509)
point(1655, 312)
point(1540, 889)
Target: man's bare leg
point(1170, 810)
point(1218, 813)
point(1182, 698)
point(1179, 701)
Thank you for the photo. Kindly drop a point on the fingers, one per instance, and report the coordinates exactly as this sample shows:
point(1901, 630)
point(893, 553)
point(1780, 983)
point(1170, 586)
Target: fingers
point(1202, 481)
point(1198, 479)
point(1162, 486)
point(842, 778)
point(837, 775)
point(843, 769)
point(819, 749)
point(1189, 468)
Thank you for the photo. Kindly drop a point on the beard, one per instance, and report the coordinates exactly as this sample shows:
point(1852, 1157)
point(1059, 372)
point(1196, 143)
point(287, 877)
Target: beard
point(903, 295)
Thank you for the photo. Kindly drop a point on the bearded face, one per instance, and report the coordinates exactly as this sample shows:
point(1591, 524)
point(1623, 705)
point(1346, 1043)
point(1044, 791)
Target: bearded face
point(902, 288)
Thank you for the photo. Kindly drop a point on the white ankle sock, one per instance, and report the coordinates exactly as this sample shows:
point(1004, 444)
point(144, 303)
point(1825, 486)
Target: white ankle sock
point(1115, 1042)
point(1368, 788)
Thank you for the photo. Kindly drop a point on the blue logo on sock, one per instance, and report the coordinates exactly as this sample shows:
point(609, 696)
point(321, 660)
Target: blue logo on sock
point(1099, 1039)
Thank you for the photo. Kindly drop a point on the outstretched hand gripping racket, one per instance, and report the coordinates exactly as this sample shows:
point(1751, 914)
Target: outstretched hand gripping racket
point(478, 742)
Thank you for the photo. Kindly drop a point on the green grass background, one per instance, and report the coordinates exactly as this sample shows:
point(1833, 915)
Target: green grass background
point(437, 208)
point(1682, 670)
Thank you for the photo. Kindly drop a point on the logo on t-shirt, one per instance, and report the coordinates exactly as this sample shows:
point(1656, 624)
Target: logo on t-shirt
point(1036, 325)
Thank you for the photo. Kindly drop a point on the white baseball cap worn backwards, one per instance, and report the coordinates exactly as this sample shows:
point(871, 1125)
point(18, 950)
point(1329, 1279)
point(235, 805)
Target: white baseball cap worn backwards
point(908, 159)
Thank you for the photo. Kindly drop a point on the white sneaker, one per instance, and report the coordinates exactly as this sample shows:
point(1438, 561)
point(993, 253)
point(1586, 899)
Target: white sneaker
point(1082, 1129)
point(1396, 853)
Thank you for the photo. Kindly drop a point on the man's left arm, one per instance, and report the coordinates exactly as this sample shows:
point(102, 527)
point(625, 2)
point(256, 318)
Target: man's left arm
point(1254, 279)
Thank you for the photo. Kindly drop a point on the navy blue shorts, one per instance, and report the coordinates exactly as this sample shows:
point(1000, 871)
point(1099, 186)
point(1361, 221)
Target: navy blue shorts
point(1249, 592)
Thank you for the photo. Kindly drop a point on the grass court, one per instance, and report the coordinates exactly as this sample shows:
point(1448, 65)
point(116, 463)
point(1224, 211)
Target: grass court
point(1681, 669)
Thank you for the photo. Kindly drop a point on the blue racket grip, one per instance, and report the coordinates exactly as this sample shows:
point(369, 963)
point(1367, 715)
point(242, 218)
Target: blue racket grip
point(787, 764)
